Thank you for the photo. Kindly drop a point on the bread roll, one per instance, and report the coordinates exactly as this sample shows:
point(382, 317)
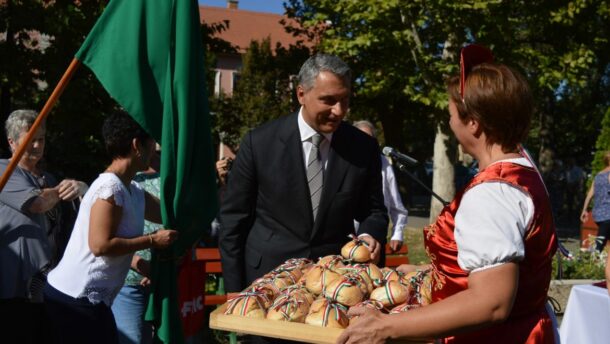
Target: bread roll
point(345, 290)
point(268, 289)
point(360, 273)
point(288, 308)
point(368, 304)
point(247, 304)
point(331, 262)
point(419, 284)
point(326, 313)
point(317, 277)
point(372, 270)
point(357, 251)
point(391, 294)
point(391, 274)
point(298, 291)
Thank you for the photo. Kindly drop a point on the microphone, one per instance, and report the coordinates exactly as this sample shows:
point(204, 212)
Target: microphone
point(402, 158)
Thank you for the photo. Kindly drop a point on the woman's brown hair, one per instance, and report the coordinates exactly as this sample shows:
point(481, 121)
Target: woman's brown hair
point(499, 98)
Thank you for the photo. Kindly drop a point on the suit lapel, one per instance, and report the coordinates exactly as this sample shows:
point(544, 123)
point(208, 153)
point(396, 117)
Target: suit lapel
point(293, 168)
point(333, 177)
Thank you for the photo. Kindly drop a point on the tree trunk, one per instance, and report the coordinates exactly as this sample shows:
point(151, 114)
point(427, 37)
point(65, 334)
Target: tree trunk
point(443, 174)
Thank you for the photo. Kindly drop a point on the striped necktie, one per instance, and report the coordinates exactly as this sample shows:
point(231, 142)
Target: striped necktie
point(315, 173)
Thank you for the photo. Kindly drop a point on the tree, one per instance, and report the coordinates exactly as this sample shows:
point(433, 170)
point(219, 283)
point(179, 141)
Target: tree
point(38, 39)
point(41, 38)
point(402, 52)
point(264, 90)
point(602, 145)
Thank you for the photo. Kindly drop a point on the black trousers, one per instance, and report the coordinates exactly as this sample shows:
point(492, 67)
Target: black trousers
point(78, 320)
point(22, 321)
point(603, 232)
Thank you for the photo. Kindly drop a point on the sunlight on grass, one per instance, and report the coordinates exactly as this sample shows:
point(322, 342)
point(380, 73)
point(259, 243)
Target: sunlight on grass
point(414, 238)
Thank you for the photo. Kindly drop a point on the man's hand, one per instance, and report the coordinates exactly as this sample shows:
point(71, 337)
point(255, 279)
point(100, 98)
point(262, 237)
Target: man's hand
point(69, 189)
point(222, 168)
point(395, 245)
point(373, 246)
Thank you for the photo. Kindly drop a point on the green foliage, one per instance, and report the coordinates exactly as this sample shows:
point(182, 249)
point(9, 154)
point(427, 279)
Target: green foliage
point(584, 265)
point(402, 52)
point(264, 90)
point(28, 75)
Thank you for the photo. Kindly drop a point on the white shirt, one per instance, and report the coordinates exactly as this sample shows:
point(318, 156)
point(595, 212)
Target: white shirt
point(80, 273)
point(306, 133)
point(391, 198)
point(491, 223)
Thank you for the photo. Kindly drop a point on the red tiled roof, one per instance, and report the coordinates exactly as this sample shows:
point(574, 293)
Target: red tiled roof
point(246, 26)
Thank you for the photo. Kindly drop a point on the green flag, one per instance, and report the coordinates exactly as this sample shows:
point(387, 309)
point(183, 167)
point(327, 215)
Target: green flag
point(148, 55)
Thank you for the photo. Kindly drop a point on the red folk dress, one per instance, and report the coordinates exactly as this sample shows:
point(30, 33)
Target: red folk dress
point(528, 321)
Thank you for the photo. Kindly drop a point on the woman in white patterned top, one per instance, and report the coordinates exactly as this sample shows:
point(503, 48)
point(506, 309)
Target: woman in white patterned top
point(107, 232)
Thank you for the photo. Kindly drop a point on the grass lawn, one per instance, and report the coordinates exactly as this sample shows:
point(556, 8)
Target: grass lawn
point(414, 238)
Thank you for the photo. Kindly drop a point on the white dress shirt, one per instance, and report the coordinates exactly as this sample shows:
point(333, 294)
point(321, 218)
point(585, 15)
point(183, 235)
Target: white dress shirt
point(306, 133)
point(392, 201)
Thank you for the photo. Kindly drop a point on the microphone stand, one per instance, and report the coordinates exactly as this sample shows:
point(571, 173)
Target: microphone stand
point(403, 169)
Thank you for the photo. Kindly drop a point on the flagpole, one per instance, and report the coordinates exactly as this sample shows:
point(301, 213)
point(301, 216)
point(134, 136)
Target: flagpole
point(63, 82)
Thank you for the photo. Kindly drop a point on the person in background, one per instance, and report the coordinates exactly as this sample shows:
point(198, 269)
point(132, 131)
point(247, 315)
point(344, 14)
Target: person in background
point(600, 193)
point(107, 232)
point(491, 248)
point(129, 306)
point(31, 227)
point(223, 167)
point(391, 196)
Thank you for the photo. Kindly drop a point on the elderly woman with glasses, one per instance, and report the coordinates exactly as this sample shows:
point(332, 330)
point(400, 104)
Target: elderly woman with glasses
point(491, 248)
point(31, 221)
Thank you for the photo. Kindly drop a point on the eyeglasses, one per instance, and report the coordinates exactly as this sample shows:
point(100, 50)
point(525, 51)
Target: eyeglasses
point(471, 56)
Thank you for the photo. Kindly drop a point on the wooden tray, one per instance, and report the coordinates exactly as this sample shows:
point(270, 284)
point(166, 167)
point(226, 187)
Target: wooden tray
point(277, 329)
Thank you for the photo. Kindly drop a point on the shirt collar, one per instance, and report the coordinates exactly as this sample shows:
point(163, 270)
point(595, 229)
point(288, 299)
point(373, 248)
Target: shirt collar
point(307, 131)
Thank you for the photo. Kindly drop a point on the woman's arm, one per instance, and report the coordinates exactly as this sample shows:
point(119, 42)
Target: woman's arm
point(408, 268)
point(44, 202)
point(103, 223)
point(584, 215)
point(140, 265)
point(152, 208)
point(488, 300)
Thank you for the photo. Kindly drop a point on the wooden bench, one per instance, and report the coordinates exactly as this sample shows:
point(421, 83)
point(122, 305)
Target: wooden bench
point(211, 257)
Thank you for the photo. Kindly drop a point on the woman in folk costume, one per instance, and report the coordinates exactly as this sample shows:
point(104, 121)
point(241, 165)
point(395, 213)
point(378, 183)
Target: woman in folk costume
point(491, 248)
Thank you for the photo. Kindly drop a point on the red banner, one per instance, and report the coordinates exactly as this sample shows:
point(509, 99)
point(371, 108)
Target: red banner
point(191, 290)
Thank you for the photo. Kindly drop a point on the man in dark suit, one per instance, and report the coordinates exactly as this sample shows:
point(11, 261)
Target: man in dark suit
point(299, 181)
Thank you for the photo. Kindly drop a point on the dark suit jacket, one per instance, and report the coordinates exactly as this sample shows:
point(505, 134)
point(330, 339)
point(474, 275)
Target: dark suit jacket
point(266, 213)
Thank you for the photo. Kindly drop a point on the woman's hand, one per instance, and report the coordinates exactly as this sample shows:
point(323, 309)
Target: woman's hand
point(584, 216)
point(408, 268)
point(370, 328)
point(163, 238)
point(69, 189)
point(145, 282)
